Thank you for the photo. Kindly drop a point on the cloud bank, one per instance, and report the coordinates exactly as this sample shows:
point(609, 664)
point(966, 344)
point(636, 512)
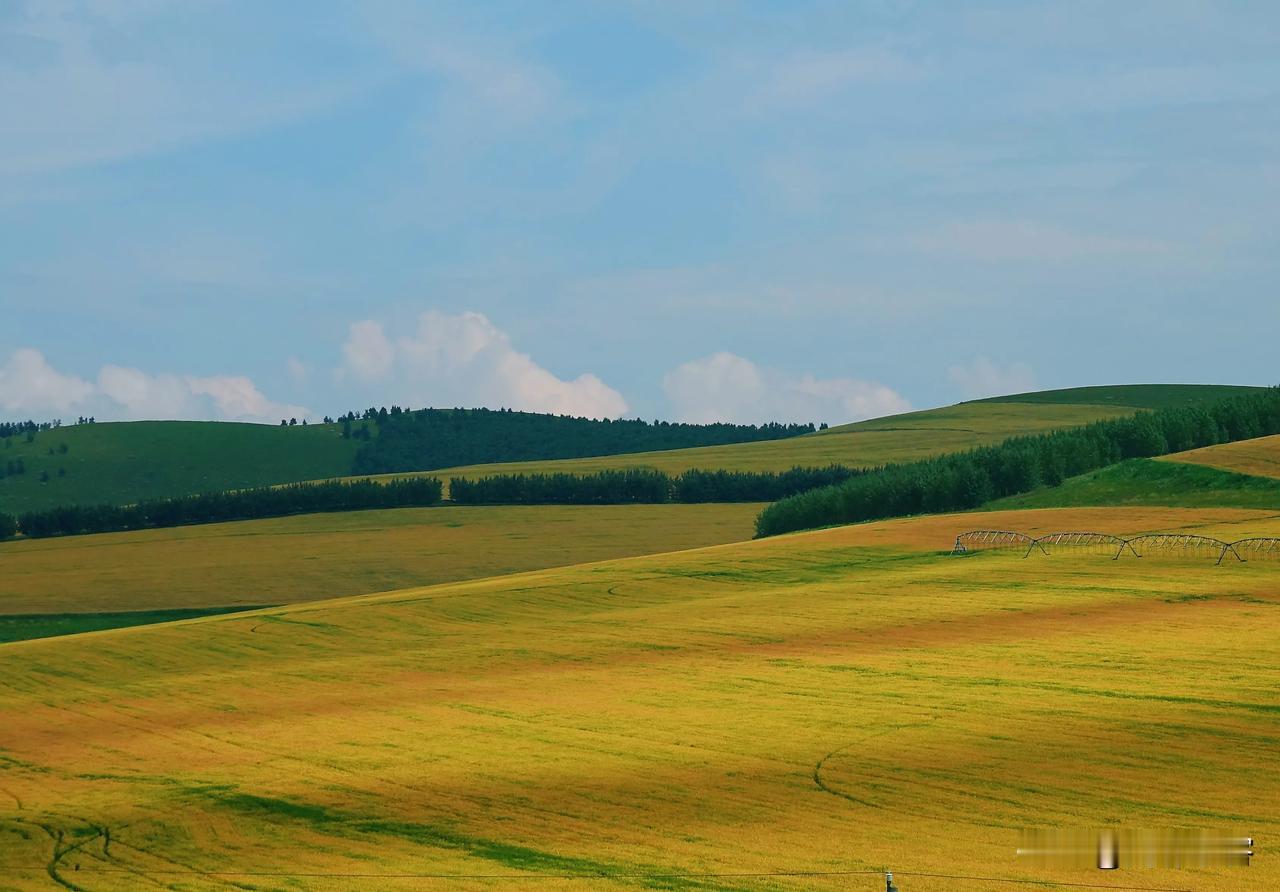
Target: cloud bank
point(465, 360)
point(29, 385)
point(726, 387)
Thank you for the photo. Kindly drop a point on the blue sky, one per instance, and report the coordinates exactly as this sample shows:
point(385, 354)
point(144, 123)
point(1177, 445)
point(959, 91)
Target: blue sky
point(697, 210)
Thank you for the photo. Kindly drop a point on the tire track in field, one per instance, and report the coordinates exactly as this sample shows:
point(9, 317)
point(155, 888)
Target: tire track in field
point(826, 787)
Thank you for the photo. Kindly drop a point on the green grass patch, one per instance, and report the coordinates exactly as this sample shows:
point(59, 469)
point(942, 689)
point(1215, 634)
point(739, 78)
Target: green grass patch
point(124, 462)
point(1143, 481)
point(25, 626)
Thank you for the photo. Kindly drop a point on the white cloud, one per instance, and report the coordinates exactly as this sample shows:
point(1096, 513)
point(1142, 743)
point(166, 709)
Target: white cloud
point(236, 398)
point(29, 384)
point(139, 395)
point(983, 378)
point(367, 354)
point(726, 387)
point(465, 360)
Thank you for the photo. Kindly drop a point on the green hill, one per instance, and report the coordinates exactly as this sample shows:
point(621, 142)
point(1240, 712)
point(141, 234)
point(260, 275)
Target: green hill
point(1140, 396)
point(896, 438)
point(125, 461)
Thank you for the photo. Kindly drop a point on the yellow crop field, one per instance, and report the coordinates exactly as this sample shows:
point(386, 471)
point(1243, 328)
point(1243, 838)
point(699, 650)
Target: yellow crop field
point(1260, 456)
point(792, 713)
point(314, 556)
point(896, 438)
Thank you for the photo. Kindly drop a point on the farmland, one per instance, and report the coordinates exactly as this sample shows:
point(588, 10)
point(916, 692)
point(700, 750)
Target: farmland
point(839, 701)
point(310, 557)
point(1260, 457)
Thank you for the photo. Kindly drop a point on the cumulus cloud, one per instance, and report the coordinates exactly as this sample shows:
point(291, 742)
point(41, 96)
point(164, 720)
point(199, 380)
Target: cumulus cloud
point(465, 360)
point(726, 387)
point(30, 385)
point(368, 353)
point(983, 378)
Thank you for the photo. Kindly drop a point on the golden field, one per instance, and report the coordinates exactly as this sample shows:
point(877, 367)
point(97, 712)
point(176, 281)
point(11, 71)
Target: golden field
point(315, 556)
point(879, 441)
point(790, 713)
point(1260, 456)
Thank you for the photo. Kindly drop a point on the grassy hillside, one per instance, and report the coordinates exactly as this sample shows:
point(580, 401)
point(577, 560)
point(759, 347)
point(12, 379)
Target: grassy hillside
point(1142, 396)
point(833, 703)
point(25, 626)
point(1153, 482)
point(126, 461)
point(316, 556)
point(863, 444)
point(1259, 457)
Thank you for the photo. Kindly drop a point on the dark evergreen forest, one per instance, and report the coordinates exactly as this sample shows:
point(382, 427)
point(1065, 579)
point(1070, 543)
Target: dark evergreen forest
point(429, 439)
point(244, 504)
point(642, 485)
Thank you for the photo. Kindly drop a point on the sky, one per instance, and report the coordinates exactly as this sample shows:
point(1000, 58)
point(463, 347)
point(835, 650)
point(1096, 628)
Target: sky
point(695, 210)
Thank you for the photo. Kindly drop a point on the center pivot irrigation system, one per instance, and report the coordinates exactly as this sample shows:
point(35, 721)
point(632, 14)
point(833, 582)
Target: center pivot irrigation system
point(1186, 545)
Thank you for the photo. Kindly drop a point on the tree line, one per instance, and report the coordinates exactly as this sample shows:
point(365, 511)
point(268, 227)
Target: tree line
point(427, 439)
point(642, 485)
point(962, 481)
point(244, 504)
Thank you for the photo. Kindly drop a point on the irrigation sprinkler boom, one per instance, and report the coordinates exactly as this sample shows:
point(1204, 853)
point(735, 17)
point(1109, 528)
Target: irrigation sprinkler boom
point(1087, 541)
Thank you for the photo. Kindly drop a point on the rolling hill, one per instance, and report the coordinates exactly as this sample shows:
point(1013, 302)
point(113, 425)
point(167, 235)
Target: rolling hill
point(799, 712)
point(1138, 396)
point(896, 438)
point(126, 461)
point(122, 462)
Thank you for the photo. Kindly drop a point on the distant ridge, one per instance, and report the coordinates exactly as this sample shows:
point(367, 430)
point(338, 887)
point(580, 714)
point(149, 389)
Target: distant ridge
point(1137, 396)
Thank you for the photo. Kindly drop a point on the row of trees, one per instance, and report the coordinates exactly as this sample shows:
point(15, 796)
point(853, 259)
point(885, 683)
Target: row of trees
point(8, 526)
point(968, 480)
point(29, 428)
point(244, 504)
point(642, 486)
point(427, 439)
